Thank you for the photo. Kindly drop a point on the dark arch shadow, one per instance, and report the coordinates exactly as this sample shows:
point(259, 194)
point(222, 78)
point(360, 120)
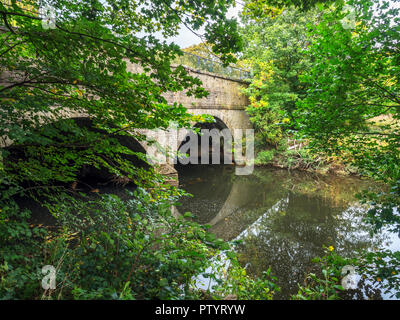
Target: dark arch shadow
point(65, 132)
point(90, 180)
point(219, 125)
point(100, 175)
point(211, 183)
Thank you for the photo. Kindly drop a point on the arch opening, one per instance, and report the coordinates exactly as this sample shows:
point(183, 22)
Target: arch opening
point(75, 136)
point(207, 143)
point(77, 174)
point(197, 177)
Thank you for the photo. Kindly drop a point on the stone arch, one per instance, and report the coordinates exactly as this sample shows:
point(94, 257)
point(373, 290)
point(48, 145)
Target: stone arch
point(128, 141)
point(226, 139)
point(82, 121)
point(232, 118)
point(221, 118)
point(218, 124)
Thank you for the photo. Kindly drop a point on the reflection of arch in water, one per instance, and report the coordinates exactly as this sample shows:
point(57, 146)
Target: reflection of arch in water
point(238, 198)
point(244, 205)
point(210, 185)
point(244, 200)
point(222, 199)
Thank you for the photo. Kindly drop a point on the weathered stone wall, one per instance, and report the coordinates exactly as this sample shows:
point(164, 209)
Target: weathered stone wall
point(225, 102)
point(224, 93)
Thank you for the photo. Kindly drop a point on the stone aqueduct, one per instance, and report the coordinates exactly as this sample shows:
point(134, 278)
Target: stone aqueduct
point(225, 103)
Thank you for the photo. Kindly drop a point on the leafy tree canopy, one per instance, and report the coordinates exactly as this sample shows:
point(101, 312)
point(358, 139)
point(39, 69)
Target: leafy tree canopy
point(259, 9)
point(80, 67)
point(98, 60)
point(275, 48)
point(352, 109)
point(352, 103)
point(202, 50)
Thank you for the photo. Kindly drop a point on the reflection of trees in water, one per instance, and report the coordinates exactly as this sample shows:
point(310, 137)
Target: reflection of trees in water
point(288, 238)
point(338, 190)
point(314, 211)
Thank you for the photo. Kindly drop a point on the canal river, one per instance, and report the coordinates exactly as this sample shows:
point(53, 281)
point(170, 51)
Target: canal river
point(282, 218)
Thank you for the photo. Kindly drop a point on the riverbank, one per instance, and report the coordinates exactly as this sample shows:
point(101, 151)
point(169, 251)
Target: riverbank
point(300, 158)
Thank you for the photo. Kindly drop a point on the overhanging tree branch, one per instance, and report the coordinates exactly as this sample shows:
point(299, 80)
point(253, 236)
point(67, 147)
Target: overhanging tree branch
point(6, 22)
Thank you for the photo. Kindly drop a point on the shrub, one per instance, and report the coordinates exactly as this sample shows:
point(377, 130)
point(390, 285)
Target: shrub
point(264, 157)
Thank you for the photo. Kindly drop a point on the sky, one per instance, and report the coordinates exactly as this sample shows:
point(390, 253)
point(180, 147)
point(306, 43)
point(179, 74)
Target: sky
point(186, 38)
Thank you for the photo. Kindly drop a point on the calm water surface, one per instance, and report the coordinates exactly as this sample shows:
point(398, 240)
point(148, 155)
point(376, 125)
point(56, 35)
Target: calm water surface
point(283, 218)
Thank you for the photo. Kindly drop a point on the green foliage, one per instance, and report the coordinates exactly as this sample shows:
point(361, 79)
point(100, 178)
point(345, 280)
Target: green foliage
point(275, 49)
point(380, 215)
point(326, 284)
point(383, 269)
point(100, 62)
point(264, 157)
point(115, 249)
point(352, 105)
point(202, 50)
point(267, 123)
point(111, 249)
point(18, 265)
point(259, 9)
point(380, 268)
point(238, 285)
point(354, 85)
